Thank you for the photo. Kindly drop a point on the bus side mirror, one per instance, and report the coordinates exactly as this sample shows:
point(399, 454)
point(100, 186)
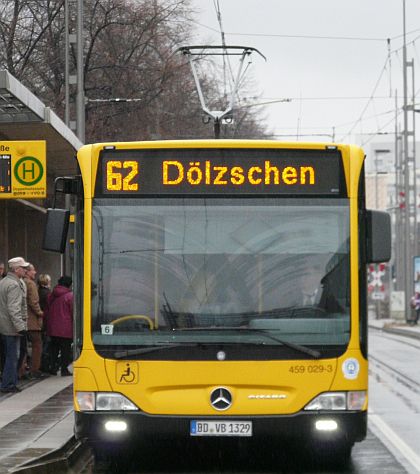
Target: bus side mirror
point(56, 228)
point(378, 242)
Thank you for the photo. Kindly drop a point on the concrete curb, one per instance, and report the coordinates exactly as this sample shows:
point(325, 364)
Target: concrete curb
point(391, 327)
point(69, 458)
point(402, 332)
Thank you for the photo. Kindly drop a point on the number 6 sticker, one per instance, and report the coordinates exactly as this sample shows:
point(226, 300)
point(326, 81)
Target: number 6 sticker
point(107, 329)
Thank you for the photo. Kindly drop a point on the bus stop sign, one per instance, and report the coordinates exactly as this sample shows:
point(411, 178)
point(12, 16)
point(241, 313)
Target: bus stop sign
point(23, 173)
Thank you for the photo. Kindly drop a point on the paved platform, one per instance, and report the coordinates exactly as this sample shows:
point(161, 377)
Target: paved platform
point(35, 421)
point(39, 419)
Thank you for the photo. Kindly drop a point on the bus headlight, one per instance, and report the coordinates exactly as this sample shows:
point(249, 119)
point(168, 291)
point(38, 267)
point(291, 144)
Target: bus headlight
point(354, 400)
point(113, 401)
point(103, 401)
point(328, 401)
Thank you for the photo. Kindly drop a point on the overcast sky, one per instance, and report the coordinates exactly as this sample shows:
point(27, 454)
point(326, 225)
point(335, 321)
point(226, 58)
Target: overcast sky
point(330, 81)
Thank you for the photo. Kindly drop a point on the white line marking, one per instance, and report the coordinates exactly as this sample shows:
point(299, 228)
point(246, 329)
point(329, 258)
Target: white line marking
point(395, 440)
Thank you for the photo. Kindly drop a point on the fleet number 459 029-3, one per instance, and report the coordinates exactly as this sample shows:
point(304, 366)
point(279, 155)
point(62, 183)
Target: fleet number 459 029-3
point(220, 428)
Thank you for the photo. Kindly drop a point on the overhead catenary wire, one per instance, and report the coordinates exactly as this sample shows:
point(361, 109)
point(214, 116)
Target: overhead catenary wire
point(285, 135)
point(320, 133)
point(320, 37)
point(395, 51)
point(416, 53)
point(368, 102)
point(282, 100)
point(380, 131)
point(266, 101)
point(327, 37)
point(260, 104)
point(387, 112)
point(111, 101)
point(269, 100)
point(386, 68)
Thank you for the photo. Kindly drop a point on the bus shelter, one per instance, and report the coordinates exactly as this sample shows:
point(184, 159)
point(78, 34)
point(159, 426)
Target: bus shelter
point(48, 147)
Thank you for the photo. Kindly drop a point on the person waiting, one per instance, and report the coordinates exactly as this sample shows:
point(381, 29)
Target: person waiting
point(35, 322)
point(13, 316)
point(60, 325)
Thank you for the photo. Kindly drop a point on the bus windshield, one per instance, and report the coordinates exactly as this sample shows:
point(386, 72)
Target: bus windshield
point(220, 271)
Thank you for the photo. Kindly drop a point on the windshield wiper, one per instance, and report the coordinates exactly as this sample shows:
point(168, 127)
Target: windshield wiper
point(146, 350)
point(297, 347)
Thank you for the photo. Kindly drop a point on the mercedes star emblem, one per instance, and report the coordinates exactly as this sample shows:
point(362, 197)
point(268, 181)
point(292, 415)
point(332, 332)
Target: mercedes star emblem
point(221, 398)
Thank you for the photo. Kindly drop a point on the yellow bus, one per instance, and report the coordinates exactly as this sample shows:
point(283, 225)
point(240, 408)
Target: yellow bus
point(220, 291)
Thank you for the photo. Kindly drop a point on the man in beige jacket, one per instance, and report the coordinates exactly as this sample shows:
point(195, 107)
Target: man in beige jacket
point(35, 316)
point(13, 316)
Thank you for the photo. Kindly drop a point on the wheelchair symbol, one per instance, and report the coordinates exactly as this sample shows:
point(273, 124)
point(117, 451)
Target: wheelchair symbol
point(128, 375)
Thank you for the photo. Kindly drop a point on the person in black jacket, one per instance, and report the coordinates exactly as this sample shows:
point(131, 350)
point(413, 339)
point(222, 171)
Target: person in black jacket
point(44, 289)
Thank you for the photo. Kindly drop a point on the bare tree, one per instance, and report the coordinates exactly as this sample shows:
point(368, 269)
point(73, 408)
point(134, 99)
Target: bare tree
point(129, 47)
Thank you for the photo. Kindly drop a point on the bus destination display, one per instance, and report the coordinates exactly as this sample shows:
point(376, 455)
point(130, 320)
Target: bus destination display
point(220, 171)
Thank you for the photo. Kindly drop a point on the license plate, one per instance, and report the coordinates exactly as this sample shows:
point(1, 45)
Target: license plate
point(220, 428)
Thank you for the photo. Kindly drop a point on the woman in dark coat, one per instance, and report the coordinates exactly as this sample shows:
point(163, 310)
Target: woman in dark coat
point(60, 324)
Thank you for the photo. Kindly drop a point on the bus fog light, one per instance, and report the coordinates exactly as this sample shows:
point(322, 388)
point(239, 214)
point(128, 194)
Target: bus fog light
point(326, 425)
point(116, 426)
point(356, 400)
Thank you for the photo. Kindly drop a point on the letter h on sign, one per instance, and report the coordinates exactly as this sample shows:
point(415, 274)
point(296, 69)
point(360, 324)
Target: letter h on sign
point(28, 169)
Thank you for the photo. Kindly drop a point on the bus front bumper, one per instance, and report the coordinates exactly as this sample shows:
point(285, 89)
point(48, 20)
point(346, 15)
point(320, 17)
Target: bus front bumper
point(94, 427)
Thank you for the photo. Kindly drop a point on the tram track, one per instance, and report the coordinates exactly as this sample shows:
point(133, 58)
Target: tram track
point(401, 384)
point(399, 376)
point(394, 387)
point(397, 335)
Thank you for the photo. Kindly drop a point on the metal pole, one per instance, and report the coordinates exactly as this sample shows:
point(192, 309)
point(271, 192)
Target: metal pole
point(407, 249)
point(414, 171)
point(216, 128)
point(397, 229)
point(376, 180)
point(377, 305)
point(80, 98)
point(66, 64)
point(402, 209)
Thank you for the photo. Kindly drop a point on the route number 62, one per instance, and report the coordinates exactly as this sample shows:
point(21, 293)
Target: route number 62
point(115, 181)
